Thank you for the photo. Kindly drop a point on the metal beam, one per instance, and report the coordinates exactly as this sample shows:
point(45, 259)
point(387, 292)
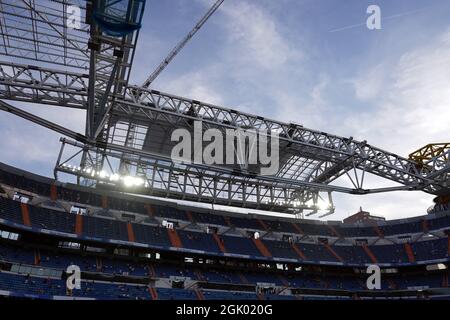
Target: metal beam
point(37, 31)
point(48, 86)
point(148, 104)
point(42, 122)
point(43, 85)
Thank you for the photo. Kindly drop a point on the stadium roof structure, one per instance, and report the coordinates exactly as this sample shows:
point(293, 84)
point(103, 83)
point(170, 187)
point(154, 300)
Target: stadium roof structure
point(51, 58)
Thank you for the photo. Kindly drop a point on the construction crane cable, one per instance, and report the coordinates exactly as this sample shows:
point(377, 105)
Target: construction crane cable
point(181, 44)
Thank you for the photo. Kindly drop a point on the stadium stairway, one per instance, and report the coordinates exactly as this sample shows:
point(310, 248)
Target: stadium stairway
point(378, 231)
point(392, 285)
point(370, 253)
point(298, 251)
point(149, 209)
point(199, 294)
point(190, 217)
point(333, 231)
point(199, 275)
point(99, 264)
point(151, 270)
point(153, 293)
point(104, 202)
point(25, 214)
point(53, 192)
point(297, 228)
point(263, 225)
point(425, 226)
point(79, 224)
point(283, 280)
point(37, 257)
point(262, 248)
point(228, 221)
point(243, 278)
point(338, 257)
point(220, 243)
point(130, 233)
point(445, 280)
point(409, 253)
point(174, 238)
point(448, 244)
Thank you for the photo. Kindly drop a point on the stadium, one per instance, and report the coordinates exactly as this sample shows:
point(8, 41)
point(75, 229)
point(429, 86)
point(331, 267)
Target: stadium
point(134, 223)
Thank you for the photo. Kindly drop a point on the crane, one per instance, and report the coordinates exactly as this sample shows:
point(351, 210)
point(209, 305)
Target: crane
point(181, 44)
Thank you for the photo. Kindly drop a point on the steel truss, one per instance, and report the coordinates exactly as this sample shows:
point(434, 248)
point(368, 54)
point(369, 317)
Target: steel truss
point(324, 157)
point(435, 156)
point(43, 85)
point(38, 31)
point(128, 127)
point(165, 178)
point(330, 156)
point(111, 58)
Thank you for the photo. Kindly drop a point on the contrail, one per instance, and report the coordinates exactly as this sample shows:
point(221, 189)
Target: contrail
point(394, 16)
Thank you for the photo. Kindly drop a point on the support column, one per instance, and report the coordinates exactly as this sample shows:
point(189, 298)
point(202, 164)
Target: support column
point(25, 214)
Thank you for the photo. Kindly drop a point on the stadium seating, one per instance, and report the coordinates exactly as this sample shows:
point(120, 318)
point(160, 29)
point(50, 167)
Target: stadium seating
point(315, 252)
point(439, 223)
point(210, 219)
point(113, 229)
point(60, 221)
point(281, 249)
point(245, 223)
point(352, 254)
point(306, 242)
point(401, 228)
point(221, 277)
point(104, 228)
point(392, 253)
point(240, 245)
point(357, 232)
point(31, 285)
point(10, 210)
point(199, 241)
point(175, 294)
point(150, 234)
point(431, 249)
point(15, 254)
point(226, 295)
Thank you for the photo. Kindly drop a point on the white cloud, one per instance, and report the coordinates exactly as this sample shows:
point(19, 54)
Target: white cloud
point(368, 86)
point(308, 111)
point(260, 71)
point(412, 107)
point(255, 33)
point(198, 85)
point(251, 67)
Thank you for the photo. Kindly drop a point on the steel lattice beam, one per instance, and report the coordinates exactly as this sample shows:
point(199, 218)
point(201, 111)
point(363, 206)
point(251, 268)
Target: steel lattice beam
point(87, 69)
point(197, 182)
point(37, 31)
point(149, 104)
point(43, 85)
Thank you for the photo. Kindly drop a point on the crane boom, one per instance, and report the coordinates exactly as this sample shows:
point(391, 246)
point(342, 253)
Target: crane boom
point(180, 45)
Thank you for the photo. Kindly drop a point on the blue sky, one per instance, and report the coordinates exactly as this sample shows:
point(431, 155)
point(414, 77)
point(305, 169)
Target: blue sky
point(312, 62)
